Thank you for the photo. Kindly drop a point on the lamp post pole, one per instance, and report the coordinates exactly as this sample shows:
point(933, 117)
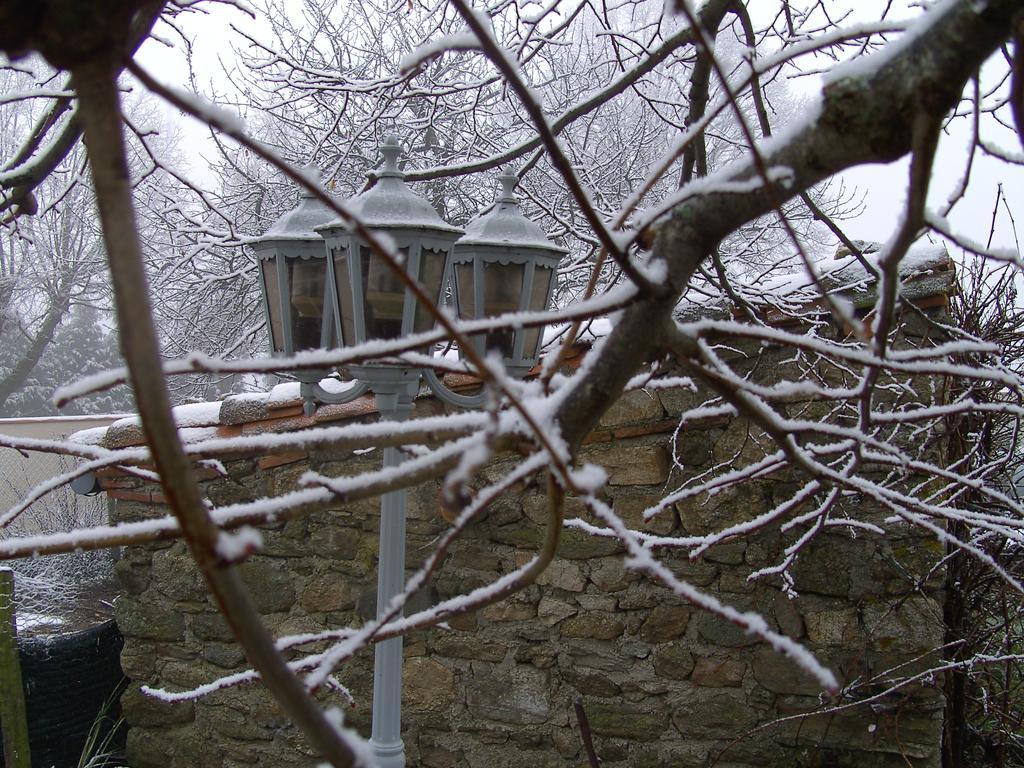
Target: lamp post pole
point(322, 284)
point(386, 734)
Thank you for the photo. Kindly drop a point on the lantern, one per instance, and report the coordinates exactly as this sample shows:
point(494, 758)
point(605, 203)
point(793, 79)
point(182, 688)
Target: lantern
point(293, 279)
point(505, 263)
point(370, 300)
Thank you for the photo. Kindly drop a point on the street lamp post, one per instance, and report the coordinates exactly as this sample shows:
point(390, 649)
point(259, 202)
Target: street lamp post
point(317, 269)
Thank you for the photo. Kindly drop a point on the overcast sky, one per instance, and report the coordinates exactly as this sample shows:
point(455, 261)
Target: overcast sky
point(882, 188)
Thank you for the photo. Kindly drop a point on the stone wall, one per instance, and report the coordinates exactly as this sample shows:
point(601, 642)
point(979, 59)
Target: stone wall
point(661, 683)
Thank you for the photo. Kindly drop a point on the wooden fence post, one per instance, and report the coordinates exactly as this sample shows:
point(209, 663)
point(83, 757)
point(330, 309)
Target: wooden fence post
point(13, 721)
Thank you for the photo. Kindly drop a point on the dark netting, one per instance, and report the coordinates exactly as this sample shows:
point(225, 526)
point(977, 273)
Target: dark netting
point(70, 684)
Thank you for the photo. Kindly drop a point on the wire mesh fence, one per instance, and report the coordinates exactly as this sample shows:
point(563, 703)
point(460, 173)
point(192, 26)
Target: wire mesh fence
point(66, 655)
point(67, 592)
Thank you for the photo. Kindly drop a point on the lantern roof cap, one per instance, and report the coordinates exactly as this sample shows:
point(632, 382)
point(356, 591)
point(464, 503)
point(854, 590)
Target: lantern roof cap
point(301, 221)
point(390, 203)
point(504, 224)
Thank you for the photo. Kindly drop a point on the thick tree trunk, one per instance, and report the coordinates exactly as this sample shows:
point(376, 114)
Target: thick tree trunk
point(19, 374)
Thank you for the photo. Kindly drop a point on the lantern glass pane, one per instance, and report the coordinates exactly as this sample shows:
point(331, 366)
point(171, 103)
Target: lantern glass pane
point(538, 303)
point(306, 282)
point(273, 289)
point(503, 288)
point(385, 297)
point(465, 298)
point(343, 286)
point(431, 277)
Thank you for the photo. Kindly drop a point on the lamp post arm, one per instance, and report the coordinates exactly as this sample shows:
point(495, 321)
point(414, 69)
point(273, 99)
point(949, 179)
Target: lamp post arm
point(445, 394)
point(313, 393)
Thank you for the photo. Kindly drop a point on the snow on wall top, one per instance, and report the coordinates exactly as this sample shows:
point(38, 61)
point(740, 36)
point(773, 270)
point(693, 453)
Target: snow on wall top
point(926, 271)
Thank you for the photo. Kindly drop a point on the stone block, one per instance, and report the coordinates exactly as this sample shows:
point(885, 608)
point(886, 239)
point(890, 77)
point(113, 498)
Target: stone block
point(626, 721)
point(138, 659)
point(232, 724)
point(592, 683)
point(693, 448)
point(904, 560)
point(478, 557)
point(779, 674)
point(708, 712)
point(176, 575)
point(598, 602)
point(139, 618)
point(722, 633)
point(134, 577)
point(837, 627)
point(223, 655)
point(633, 408)
point(609, 574)
point(509, 609)
point(912, 625)
point(551, 611)
point(180, 651)
point(836, 566)
point(787, 615)
point(700, 516)
point(673, 661)
point(730, 553)
point(677, 400)
point(740, 444)
point(434, 753)
point(664, 623)
point(188, 674)
point(152, 748)
point(735, 580)
point(718, 673)
point(535, 507)
point(291, 541)
point(521, 535)
point(630, 508)
point(210, 626)
point(427, 685)
point(579, 545)
point(461, 647)
point(519, 696)
point(596, 625)
point(145, 711)
point(541, 656)
point(330, 591)
point(629, 463)
point(856, 738)
point(333, 540)
point(638, 596)
point(230, 491)
point(562, 574)
point(269, 584)
point(585, 653)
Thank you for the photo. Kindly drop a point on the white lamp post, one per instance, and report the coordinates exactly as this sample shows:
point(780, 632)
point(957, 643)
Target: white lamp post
point(502, 263)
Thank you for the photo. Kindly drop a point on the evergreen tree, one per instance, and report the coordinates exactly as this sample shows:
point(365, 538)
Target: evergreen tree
point(81, 346)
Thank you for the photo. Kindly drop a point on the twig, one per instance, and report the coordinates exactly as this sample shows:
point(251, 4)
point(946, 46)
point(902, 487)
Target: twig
point(588, 741)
